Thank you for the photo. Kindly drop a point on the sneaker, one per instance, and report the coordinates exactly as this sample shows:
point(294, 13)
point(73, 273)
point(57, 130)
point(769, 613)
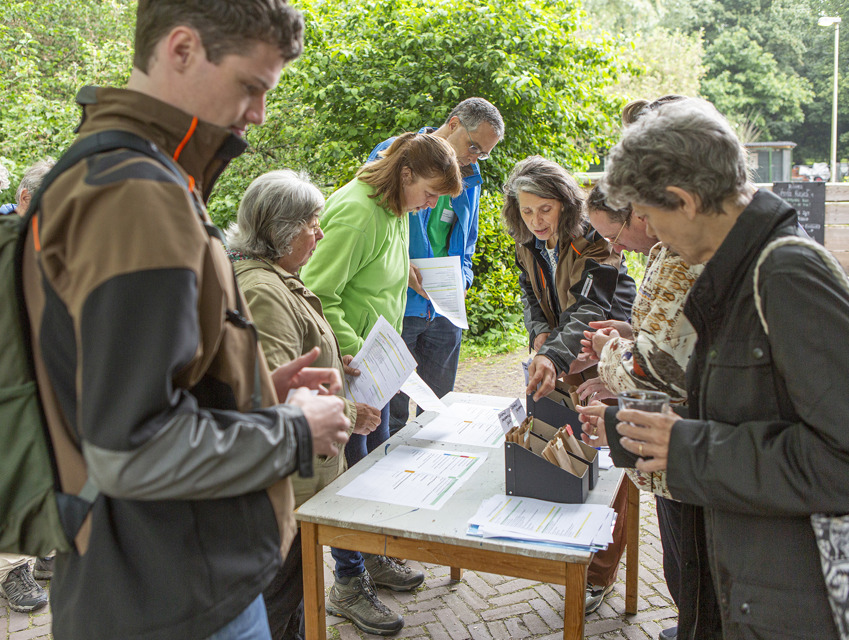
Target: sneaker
point(43, 569)
point(595, 596)
point(669, 634)
point(22, 592)
point(357, 601)
point(387, 573)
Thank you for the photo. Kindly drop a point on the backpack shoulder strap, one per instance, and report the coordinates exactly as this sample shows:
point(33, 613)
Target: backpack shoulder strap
point(830, 261)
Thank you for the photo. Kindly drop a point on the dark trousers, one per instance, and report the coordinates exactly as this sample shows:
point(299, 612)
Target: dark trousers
point(284, 597)
point(669, 524)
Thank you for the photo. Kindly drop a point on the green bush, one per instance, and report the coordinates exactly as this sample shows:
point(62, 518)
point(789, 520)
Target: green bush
point(494, 304)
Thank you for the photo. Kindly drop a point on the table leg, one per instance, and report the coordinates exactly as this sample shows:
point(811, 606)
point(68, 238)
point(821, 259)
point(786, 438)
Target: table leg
point(632, 549)
point(574, 600)
point(313, 559)
point(456, 573)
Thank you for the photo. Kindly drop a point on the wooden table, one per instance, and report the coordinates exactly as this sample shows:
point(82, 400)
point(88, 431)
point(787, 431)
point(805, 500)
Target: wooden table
point(439, 537)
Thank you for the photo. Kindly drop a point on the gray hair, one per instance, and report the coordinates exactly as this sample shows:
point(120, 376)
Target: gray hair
point(685, 144)
point(274, 210)
point(473, 111)
point(544, 179)
point(33, 177)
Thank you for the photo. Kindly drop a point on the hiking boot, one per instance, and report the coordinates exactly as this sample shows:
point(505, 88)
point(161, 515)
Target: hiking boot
point(387, 573)
point(595, 596)
point(669, 634)
point(357, 601)
point(43, 569)
point(22, 592)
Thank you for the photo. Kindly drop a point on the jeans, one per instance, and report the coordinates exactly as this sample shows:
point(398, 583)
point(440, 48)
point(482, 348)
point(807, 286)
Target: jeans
point(350, 563)
point(251, 624)
point(435, 344)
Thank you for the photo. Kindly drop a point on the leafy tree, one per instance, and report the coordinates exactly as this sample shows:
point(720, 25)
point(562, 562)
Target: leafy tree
point(48, 50)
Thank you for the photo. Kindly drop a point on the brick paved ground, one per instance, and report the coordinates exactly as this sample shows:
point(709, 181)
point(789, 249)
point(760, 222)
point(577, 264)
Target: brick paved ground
point(482, 605)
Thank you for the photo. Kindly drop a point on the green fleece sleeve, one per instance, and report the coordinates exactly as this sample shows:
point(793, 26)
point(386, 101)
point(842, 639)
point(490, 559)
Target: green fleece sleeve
point(335, 262)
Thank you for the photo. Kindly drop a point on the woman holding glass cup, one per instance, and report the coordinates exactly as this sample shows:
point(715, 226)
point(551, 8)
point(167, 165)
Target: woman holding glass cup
point(767, 445)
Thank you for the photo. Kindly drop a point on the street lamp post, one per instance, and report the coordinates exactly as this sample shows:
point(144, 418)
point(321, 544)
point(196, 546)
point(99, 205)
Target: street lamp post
point(826, 21)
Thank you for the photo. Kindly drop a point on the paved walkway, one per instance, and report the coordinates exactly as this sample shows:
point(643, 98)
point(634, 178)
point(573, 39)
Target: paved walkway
point(484, 606)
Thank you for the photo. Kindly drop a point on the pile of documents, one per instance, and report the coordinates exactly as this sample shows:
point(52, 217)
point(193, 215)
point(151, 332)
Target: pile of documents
point(584, 527)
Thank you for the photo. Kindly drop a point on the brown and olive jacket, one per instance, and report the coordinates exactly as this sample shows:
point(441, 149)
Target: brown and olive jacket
point(142, 374)
point(591, 283)
point(290, 322)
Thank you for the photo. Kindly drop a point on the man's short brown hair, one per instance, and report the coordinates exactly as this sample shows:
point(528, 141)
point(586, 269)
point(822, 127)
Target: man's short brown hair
point(225, 26)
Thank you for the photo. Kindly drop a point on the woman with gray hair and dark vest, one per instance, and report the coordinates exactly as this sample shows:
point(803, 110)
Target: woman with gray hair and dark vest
point(570, 276)
point(766, 445)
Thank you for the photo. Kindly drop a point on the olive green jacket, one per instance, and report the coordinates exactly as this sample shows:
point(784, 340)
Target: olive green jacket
point(290, 322)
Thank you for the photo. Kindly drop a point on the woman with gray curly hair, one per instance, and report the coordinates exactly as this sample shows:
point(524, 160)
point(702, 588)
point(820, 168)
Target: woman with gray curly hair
point(766, 446)
point(570, 276)
point(275, 233)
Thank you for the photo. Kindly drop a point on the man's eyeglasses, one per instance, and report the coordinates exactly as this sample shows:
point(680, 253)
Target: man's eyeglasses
point(474, 149)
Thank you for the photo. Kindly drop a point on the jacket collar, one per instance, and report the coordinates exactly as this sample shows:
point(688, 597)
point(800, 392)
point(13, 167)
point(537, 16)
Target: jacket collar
point(201, 148)
point(243, 263)
point(731, 263)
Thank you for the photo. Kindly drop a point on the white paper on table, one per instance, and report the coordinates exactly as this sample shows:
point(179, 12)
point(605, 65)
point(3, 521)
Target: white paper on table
point(384, 362)
point(604, 459)
point(442, 280)
point(422, 394)
point(468, 424)
point(415, 477)
point(531, 519)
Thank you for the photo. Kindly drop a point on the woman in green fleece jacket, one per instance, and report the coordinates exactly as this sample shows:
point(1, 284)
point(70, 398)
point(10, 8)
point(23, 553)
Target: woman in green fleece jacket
point(359, 270)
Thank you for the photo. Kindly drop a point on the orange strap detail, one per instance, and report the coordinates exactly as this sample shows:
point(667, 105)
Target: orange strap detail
point(186, 138)
point(574, 249)
point(191, 183)
point(36, 240)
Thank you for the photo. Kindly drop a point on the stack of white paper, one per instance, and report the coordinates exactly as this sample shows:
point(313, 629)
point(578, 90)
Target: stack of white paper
point(581, 526)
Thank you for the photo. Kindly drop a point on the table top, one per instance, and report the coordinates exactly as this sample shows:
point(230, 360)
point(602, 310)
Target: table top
point(448, 524)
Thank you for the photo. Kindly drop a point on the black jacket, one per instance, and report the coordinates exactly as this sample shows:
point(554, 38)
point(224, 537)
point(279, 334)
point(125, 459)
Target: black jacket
point(592, 283)
point(771, 442)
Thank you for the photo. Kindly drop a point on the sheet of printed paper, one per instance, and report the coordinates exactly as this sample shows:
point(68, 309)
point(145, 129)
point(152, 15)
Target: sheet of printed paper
point(384, 362)
point(442, 279)
point(468, 424)
point(422, 394)
point(415, 477)
point(531, 519)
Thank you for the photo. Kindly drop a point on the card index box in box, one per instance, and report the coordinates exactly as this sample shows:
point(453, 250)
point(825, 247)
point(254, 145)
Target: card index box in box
point(528, 474)
point(556, 408)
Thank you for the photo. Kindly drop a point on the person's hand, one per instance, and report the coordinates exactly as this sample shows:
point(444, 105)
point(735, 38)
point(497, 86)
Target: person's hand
point(581, 363)
point(297, 373)
point(592, 424)
point(647, 435)
point(594, 389)
point(414, 281)
point(367, 419)
point(327, 421)
point(541, 372)
point(540, 340)
point(349, 371)
point(602, 337)
point(625, 330)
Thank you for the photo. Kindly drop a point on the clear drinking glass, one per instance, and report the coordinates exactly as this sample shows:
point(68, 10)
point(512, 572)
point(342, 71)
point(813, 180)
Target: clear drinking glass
point(653, 401)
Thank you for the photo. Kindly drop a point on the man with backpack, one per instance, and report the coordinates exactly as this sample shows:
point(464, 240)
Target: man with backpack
point(171, 450)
